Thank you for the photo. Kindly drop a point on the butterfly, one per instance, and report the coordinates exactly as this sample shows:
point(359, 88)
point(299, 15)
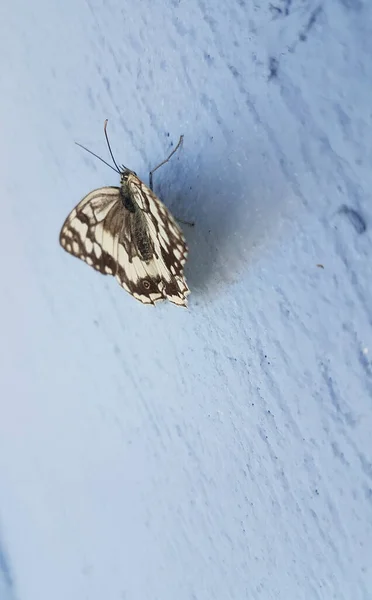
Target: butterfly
point(127, 232)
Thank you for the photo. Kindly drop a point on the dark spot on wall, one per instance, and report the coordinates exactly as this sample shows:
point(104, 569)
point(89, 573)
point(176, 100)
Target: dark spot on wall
point(234, 71)
point(283, 10)
point(310, 24)
point(354, 217)
point(273, 68)
point(208, 59)
point(276, 11)
point(287, 6)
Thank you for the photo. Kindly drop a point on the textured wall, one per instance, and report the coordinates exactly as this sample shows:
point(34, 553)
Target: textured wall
point(225, 451)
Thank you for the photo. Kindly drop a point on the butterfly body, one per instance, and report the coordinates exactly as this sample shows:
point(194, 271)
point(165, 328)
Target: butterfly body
point(127, 232)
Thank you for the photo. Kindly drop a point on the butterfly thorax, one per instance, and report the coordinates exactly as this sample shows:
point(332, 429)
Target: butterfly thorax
point(125, 192)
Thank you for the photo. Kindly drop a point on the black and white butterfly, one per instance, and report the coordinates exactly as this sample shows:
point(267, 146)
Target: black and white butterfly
point(127, 232)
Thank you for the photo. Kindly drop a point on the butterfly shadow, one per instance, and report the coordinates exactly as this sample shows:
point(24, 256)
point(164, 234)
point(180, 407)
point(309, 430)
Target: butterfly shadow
point(233, 212)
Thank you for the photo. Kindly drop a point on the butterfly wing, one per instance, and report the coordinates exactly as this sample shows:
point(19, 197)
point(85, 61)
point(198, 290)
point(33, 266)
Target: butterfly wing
point(170, 249)
point(84, 233)
point(116, 241)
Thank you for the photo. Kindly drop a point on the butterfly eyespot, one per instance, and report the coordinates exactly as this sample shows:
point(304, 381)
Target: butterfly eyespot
point(146, 284)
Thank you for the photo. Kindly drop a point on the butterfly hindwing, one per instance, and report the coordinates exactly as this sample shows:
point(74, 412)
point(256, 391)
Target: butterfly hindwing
point(169, 242)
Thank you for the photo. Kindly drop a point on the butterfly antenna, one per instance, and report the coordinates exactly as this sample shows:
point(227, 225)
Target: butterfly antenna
point(108, 144)
point(99, 158)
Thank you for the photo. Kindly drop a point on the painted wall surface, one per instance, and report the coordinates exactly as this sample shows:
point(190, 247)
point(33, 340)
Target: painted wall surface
point(224, 451)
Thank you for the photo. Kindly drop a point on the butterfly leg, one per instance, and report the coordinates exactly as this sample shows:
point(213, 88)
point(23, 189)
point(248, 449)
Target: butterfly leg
point(165, 161)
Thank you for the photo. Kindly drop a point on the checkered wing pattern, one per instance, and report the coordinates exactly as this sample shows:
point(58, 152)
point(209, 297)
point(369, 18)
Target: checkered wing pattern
point(127, 232)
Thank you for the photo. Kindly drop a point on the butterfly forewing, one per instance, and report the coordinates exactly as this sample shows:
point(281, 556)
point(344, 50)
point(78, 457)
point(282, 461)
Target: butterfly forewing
point(128, 232)
point(85, 233)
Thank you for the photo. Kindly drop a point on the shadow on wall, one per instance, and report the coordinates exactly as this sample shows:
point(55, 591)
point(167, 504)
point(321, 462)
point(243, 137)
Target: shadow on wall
point(234, 196)
point(7, 591)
